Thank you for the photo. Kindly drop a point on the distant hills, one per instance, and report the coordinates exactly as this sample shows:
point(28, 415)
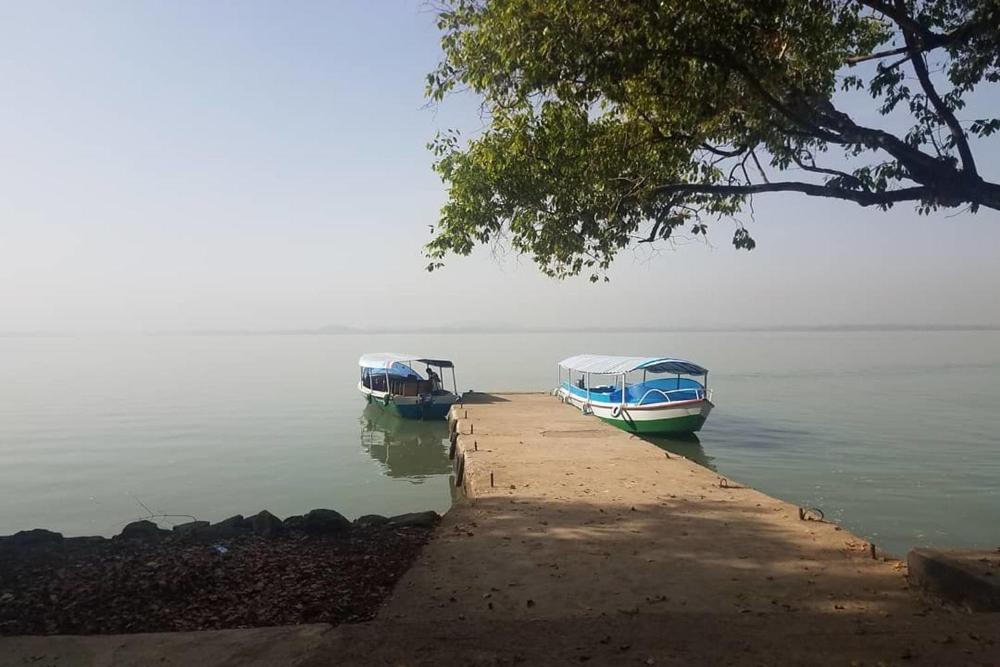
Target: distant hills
point(500, 328)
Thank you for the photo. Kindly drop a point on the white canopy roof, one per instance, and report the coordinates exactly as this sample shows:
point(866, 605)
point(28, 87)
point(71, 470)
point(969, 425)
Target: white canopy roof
point(387, 359)
point(611, 365)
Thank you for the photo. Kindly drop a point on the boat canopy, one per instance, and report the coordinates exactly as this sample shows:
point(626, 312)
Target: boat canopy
point(611, 365)
point(386, 360)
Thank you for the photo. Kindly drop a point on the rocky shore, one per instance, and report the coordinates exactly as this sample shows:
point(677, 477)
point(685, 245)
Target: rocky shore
point(241, 572)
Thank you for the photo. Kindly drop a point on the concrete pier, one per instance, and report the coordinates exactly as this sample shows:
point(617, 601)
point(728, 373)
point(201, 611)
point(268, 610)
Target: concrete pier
point(601, 540)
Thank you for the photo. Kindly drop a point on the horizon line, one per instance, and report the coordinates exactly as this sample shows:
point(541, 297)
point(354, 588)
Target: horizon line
point(337, 330)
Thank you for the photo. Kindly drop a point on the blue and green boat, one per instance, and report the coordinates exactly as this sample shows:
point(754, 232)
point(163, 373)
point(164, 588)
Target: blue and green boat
point(392, 382)
point(633, 394)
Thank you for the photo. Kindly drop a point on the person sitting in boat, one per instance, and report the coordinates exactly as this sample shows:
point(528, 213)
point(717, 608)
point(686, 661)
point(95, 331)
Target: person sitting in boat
point(581, 383)
point(434, 379)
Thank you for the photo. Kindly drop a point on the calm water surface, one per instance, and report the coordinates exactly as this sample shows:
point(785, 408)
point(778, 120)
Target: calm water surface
point(892, 434)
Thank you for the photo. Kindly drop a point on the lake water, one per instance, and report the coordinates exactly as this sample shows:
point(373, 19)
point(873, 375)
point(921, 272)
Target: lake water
point(894, 434)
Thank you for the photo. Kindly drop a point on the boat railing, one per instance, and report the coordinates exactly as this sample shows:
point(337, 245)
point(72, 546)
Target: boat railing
point(699, 394)
point(667, 394)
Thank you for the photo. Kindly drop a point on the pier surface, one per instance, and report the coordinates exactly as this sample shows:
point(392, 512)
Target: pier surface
point(573, 543)
point(601, 546)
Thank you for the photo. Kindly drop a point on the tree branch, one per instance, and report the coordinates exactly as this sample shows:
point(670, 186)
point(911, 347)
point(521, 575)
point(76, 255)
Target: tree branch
point(779, 106)
point(863, 198)
point(653, 232)
point(903, 20)
point(847, 178)
point(854, 60)
point(723, 152)
point(943, 112)
point(825, 122)
point(922, 167)
point(929, 40)
point(760, 169)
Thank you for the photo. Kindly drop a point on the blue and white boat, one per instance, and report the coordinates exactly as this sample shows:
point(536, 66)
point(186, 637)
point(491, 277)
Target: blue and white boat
point(612, 389)
point(389, 380)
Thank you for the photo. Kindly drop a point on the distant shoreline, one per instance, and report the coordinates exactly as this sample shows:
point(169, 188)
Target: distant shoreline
point(490, 330)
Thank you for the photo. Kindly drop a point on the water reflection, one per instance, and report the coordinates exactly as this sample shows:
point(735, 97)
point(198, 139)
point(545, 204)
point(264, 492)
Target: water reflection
point(755, 434)
point(406, 448)
point(687, 445)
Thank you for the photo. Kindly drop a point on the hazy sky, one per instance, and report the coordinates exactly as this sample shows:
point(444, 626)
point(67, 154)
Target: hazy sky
point(260, 165)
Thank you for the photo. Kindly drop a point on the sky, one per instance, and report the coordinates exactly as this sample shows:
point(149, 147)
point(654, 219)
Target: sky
point(180, 165)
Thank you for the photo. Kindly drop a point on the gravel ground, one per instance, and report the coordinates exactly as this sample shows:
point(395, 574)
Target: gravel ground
point(123, 586)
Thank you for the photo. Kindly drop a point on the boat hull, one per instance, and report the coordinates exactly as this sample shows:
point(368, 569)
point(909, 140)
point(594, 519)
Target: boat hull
point(657, 419)
point(669, 424)
point(425, 408)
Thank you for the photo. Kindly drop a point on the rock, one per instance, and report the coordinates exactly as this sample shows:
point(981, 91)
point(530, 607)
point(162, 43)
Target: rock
point(129, 586)
point(266, 524)
point(370, 521)
point(295, 522)
point(234, 526)
point(236, 522)
point(86, 541)
point(325, 522)
point(142, 530)
point(427, 519)
point(38, 537)
point(190, 527)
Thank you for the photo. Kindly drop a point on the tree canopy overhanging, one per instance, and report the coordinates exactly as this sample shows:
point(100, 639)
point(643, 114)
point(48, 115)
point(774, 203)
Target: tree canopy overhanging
point(627, 121)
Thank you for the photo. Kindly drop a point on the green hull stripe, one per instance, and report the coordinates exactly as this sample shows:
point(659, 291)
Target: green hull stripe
point(687, 424)
point(393, 409)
